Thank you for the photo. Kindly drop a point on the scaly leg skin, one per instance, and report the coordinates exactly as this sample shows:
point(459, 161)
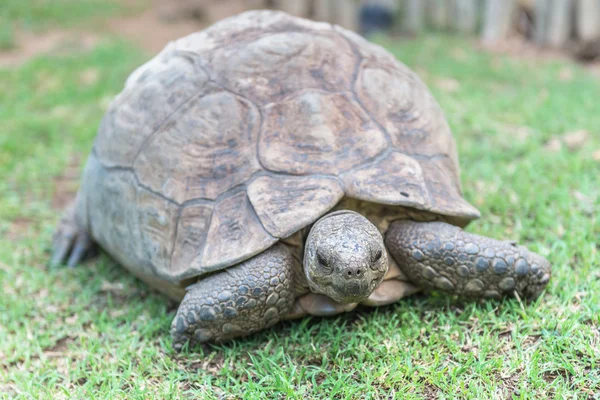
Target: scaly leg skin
point(251, 296)
point(437, 255)
point(71, 243)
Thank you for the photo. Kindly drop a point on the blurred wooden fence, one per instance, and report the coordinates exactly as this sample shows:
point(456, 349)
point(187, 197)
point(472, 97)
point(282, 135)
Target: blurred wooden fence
point(548, 22)
point(551, 23)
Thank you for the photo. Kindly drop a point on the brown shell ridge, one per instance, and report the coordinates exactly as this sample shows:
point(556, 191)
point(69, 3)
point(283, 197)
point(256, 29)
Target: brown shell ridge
point(428, 157)
point(139, 184)
point(198, 62)
point(210, 259)
point(132, 171)
point(291, 95)
point(371, 116)
point(243, 186)
point(379, 156)
point(423, 206)
point(292, 175)
point(432, 205)
point(256, 217)
point(211, 84)
point(310, 198)
point(252, 102)
point(177, 220)
point(308, 90)
point(184, 275)
point(258, 140)
point(166, 121)
point(197, 59)
point(124, 98)
point(201, 200)
point(438, 208)
point(257, 36)
point(147, 265)
point(359, 60)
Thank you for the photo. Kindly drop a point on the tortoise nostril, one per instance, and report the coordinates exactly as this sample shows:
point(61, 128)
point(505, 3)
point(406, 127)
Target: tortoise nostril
point(354, 272)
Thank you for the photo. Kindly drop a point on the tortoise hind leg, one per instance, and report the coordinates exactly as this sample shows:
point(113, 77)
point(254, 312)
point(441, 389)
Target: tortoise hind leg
point(246, 298)
point(71, 242)
point(437, 255)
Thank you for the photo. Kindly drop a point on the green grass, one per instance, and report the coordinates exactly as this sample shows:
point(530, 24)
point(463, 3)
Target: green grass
point(7, 37)
point(39, 15)
point(96, 332)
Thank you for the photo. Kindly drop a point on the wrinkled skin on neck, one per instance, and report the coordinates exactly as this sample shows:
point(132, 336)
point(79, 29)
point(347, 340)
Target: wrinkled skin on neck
point(344, 257)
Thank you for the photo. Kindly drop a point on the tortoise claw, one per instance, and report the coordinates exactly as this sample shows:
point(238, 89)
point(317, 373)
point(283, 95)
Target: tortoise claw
point(82, 245)
point(71, 243)
point(62, 245)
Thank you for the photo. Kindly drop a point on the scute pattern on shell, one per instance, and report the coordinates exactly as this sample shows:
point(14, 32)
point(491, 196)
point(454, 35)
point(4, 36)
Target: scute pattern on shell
point(242, 134)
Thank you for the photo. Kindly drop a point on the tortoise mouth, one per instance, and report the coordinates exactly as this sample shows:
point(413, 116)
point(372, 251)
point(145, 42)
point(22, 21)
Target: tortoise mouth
point(344, 290)
point(352, 291)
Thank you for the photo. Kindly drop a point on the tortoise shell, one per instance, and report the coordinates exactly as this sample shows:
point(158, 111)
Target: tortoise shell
point(240, 135)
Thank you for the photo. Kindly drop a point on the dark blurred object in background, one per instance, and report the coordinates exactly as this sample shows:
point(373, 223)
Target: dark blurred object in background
point(376, 16)
point(587, 51)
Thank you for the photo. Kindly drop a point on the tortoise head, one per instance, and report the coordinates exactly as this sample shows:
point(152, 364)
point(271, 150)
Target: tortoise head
point(344, 257)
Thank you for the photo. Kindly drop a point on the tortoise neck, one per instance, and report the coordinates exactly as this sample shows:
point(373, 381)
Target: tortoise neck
point(296, 243)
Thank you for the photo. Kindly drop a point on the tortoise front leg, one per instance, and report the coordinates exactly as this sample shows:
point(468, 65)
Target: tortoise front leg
point(437, 255)
point(243, 299)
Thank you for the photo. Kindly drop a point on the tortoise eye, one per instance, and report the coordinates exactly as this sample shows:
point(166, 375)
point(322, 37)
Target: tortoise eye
point(378, 255)
point(322, 261)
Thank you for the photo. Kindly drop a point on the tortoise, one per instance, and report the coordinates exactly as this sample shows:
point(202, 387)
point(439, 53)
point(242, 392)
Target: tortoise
point(271, 167)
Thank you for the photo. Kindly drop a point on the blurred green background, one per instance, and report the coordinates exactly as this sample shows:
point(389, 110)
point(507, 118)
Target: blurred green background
point(527, 124)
